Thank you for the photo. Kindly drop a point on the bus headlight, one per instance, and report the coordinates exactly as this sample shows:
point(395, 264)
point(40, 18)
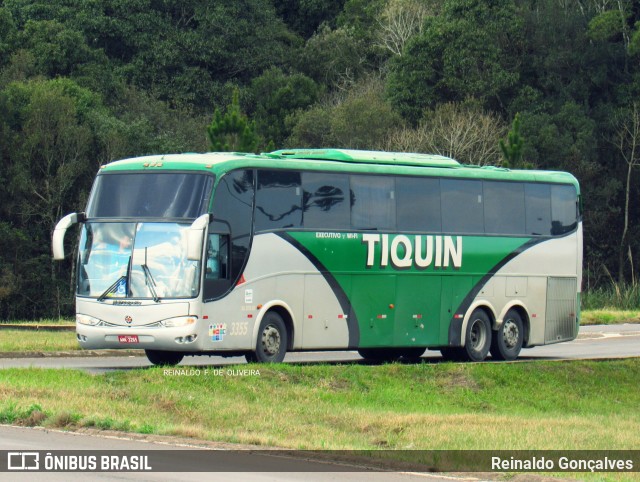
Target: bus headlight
point(179, 321)
point(88, 320)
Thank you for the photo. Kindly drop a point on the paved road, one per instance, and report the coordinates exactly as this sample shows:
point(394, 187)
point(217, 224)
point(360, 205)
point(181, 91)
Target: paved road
point(596, 342)
point(256, 467)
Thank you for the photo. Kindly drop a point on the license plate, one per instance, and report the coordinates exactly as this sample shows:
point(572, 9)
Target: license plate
point(128, 338)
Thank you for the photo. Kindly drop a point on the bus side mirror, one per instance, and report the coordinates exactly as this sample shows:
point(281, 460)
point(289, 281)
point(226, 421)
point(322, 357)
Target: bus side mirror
point(195, 237)
point(61, 228)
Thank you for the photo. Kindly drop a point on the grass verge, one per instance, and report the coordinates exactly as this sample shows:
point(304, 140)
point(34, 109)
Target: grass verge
point(609, 317)
point(37, 341)
point(46, 322)
point(542, 405)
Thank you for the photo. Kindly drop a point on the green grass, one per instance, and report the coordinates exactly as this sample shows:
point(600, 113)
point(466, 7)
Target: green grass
point(37, 341)
point(615, 297)
point(43, 321)
point(543, 405)
point(609, 317)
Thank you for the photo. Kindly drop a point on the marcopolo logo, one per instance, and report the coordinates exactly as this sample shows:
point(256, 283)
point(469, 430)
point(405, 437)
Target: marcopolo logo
point(421, 252)
point(78, 461)
point(23, 461)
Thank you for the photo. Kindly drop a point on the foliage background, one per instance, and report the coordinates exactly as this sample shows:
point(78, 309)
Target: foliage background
point(86, 82)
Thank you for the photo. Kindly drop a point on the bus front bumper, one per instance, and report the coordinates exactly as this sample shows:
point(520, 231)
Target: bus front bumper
point(183, 338)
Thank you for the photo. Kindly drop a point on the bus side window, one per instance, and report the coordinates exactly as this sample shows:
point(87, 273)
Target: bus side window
point(373, 202)
point(278, 200)
point(217, 264)
point(564, 209)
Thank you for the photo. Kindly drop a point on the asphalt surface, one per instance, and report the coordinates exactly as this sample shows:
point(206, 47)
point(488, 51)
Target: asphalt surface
point(181, 460)
point(593, 342)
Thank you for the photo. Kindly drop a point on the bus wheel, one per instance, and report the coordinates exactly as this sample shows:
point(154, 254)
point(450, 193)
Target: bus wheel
point(478, 339)
point(272, 340)
point(507, 341)
point(164, 358)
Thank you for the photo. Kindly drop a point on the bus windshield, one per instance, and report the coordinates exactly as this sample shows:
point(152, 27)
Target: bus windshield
point(136, 260)
point(150, 195)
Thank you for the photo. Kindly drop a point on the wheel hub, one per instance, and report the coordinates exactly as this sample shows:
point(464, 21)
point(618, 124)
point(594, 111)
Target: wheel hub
point(476, 336)
point(271, 340)
point(510, 333)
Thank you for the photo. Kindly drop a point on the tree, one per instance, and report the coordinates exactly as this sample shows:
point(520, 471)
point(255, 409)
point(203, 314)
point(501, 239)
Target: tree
point(513, 148)
point(357, 119)
point(305, 17)
point(7, 34)
point(363, 119)
point(461, 131)
point(232, 131)
point(469, 50)
point(627, 142)
point(401, 20)
point(276, 96)
point(47, 160)
point(312, 128)
point(335, 58)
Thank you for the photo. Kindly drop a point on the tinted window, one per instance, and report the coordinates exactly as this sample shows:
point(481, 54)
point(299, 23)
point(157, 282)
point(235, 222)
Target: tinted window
point(563, 209)
point(326, 200)
point(278, 200)
point(157, 195)
point(232, 207)
point(418, 204)
point(373, 203)
point(504, 211)
point(538, 209)
point(462, 206)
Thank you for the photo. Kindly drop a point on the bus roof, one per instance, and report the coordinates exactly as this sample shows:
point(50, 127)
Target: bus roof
point(367, 157)
point(345, 160)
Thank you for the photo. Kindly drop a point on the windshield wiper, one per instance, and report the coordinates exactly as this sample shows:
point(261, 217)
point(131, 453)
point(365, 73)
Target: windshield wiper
point(150, 282)
point(116, 286)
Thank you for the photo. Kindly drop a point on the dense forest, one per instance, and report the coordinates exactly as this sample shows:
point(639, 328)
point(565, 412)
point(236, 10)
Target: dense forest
point(550, 84)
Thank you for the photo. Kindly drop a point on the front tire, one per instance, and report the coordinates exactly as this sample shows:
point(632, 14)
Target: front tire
point(164, 358)
point(507, 341)
point(271, 346)
point(478, 337)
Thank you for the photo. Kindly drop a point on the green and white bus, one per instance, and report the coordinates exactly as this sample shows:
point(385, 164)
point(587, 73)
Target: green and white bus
point(325, 249)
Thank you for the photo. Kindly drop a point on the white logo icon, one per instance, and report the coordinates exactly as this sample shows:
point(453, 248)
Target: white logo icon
point(23, 461)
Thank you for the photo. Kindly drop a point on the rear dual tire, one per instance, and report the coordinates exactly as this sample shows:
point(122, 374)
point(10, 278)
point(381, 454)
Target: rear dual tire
point(508, 339)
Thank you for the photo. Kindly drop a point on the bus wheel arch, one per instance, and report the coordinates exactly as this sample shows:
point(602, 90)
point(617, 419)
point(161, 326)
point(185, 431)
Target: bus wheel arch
point(273, 335)
point(287, 319)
